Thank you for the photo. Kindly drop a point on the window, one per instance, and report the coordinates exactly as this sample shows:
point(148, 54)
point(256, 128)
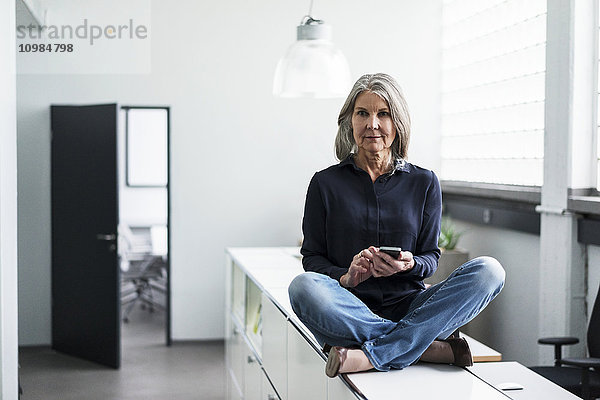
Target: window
point(146, 146)
point(493, 88)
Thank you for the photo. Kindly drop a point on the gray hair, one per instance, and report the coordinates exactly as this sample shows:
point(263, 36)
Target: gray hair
point(388, 89)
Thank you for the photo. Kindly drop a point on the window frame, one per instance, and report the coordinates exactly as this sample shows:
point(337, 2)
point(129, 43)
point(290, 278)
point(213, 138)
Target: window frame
point(514, 207)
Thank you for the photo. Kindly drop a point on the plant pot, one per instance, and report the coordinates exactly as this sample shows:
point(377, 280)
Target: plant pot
point(448, 262)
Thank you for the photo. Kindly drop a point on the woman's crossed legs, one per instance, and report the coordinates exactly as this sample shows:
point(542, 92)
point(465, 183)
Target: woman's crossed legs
point(337, 317)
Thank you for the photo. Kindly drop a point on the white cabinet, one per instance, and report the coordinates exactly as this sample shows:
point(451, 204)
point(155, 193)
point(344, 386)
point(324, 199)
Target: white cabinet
point(274, 343)
point(306, 369)
point(271, 356)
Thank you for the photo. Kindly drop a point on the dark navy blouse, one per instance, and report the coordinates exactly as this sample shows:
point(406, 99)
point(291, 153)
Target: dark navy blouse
point(346, 212)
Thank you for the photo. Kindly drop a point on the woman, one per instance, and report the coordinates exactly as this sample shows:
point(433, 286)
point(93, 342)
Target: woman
point(373, 308)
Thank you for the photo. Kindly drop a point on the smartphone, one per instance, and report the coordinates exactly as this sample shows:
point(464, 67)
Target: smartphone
point(394, 252)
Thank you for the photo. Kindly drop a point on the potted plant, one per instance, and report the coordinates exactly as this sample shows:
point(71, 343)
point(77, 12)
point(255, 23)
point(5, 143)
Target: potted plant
point(451, 257)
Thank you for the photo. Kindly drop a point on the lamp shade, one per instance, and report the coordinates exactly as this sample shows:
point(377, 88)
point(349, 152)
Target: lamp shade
point(312, 66)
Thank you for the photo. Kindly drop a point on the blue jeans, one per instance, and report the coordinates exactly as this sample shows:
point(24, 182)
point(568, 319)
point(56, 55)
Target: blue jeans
point(337, 317)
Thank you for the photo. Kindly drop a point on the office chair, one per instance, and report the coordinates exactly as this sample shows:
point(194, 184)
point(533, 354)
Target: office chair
point(143, 271)
point(580, 376)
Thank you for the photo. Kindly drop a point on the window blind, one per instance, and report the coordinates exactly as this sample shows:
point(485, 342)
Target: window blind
point(493, 77)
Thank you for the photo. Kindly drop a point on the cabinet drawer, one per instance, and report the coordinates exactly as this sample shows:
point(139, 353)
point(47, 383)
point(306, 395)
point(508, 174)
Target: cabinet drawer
point(274, 352)
point(252, 376)
point(234, 357)
point(306, 369)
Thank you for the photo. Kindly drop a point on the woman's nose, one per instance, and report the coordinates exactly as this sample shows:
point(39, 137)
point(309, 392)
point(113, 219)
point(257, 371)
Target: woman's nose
point(373, 122)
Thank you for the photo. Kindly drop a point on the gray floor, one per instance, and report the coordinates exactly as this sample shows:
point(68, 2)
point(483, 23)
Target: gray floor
point(149, 370)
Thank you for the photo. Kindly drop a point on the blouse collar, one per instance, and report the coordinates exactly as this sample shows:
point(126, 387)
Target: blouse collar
point(400, 164)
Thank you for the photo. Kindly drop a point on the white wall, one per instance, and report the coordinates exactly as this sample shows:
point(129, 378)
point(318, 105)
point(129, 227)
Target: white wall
point(509, 324)
point(241, 159)
point(8, 204)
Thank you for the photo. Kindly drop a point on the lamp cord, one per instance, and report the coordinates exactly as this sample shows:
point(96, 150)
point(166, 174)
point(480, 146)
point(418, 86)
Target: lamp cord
point(310, 8)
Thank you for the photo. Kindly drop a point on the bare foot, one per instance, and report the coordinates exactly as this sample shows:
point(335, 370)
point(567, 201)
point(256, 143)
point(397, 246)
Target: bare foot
point(356, 361)
point(342, 361)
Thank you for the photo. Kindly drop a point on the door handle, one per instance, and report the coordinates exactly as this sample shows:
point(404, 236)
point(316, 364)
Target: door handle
point(103, 236)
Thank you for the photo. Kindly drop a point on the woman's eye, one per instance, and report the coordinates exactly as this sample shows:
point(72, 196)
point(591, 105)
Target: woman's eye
point(362, 113)
point(384, 114)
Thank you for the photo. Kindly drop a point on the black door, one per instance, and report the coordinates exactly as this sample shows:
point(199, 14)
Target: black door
point(85, 270)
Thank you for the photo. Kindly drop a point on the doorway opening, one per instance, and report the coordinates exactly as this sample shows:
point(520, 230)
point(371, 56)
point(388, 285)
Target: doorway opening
point(144, 222)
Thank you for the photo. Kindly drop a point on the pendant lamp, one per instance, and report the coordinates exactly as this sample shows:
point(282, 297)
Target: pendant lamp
point(312, 66)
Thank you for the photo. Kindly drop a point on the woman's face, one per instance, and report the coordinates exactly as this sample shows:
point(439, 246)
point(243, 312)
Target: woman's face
point(372, 124)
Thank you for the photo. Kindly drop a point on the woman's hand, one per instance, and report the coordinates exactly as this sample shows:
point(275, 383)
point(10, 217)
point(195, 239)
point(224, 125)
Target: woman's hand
point(385, 265)
point(360, 269)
